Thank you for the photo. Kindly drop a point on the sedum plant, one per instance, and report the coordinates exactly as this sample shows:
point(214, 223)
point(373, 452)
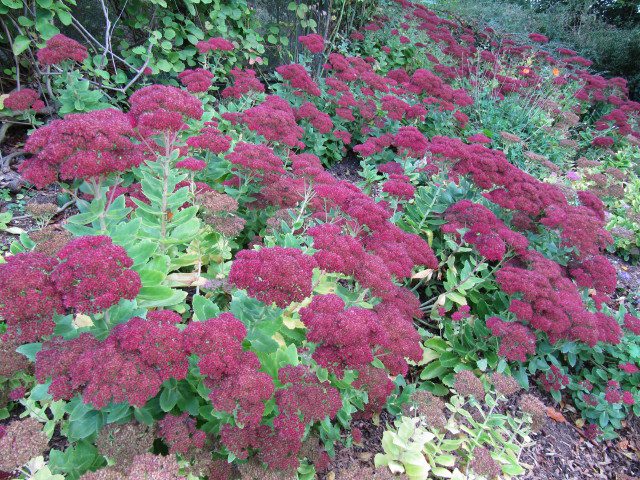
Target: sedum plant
point(468, 436)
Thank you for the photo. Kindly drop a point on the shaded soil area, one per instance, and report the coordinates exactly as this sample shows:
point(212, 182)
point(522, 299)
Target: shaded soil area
point(628, 289)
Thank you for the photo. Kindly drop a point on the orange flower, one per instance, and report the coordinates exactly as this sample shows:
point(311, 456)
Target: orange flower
point(556, 72)
point(525, 71)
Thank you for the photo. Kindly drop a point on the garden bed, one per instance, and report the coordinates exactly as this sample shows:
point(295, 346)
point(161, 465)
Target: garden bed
point(407, 263)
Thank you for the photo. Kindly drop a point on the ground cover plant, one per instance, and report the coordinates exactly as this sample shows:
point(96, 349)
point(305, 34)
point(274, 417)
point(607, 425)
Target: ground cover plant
point(221, 305)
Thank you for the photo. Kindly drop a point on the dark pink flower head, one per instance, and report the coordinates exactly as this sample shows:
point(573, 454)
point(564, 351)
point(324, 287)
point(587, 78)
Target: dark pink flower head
point(180, 433)
point(274, 275)
point(346, 338)
point(237, 386)
point(411, 142)
point(313, 42)
point(319, 120)
point(632, 323)
point(554, 379)
point(163, 108)
point(28, 297)
point(156, 341)
point(399, 186)
point(580, 227)
point(478, 138)
point(215, 44)
point(603, 142)
point(211, 139)
point(304, 395)
point(299, 78)
point(81, 145)
point(378, 385)
point(60, 48)
point(595, 272)
point(130, 365)
point(198, 80)
point(255, 158)
point(193, 164)
point(629, 368)
point(22, 100)
point(592, 202)
point(392, 168)
point(613, 393)
point(551, 302)
point(538, 38)
point(218, 344)
point(516, 340)
point(94, 274)
point(245, 81)
point(17, 393)
point(275, 120)
point(484, 230)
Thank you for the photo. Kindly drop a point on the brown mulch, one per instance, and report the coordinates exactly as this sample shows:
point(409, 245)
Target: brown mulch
point(25, 221)
point(359, 454)
point(559, 451)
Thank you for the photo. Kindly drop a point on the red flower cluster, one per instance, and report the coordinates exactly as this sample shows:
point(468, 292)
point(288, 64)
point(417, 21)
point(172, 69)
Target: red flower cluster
point(274, 275)
point(198, 80)
point(319, 120)
point(130, 365)
point(313, 42)
point(305, 396)
point(378, 385)
point(214, 44)
point(554, 379)
point(192, 164)
point(82, 145)
point(211, 139)
point(299, 78)
point(180, 433)
point(603, 142)
point(517, 340)
point(304, 400)
point(552, 303)
point(163, 108)
point(28, 297)
point(278, 447)
point(538, 38)
point(255, 159)
point(22, 100)
point(346, 338)
point(245, 81)
point(484, 230)
point(275, 120)
point(91, 274)
point(399, 186)
point(632, 324)
point(237, 386)
point(581, 227)
point(94, 274)
point(597, 273)
point(60, 48)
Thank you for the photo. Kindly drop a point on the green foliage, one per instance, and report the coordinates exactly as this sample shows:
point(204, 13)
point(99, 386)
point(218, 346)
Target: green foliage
point(421, 450)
